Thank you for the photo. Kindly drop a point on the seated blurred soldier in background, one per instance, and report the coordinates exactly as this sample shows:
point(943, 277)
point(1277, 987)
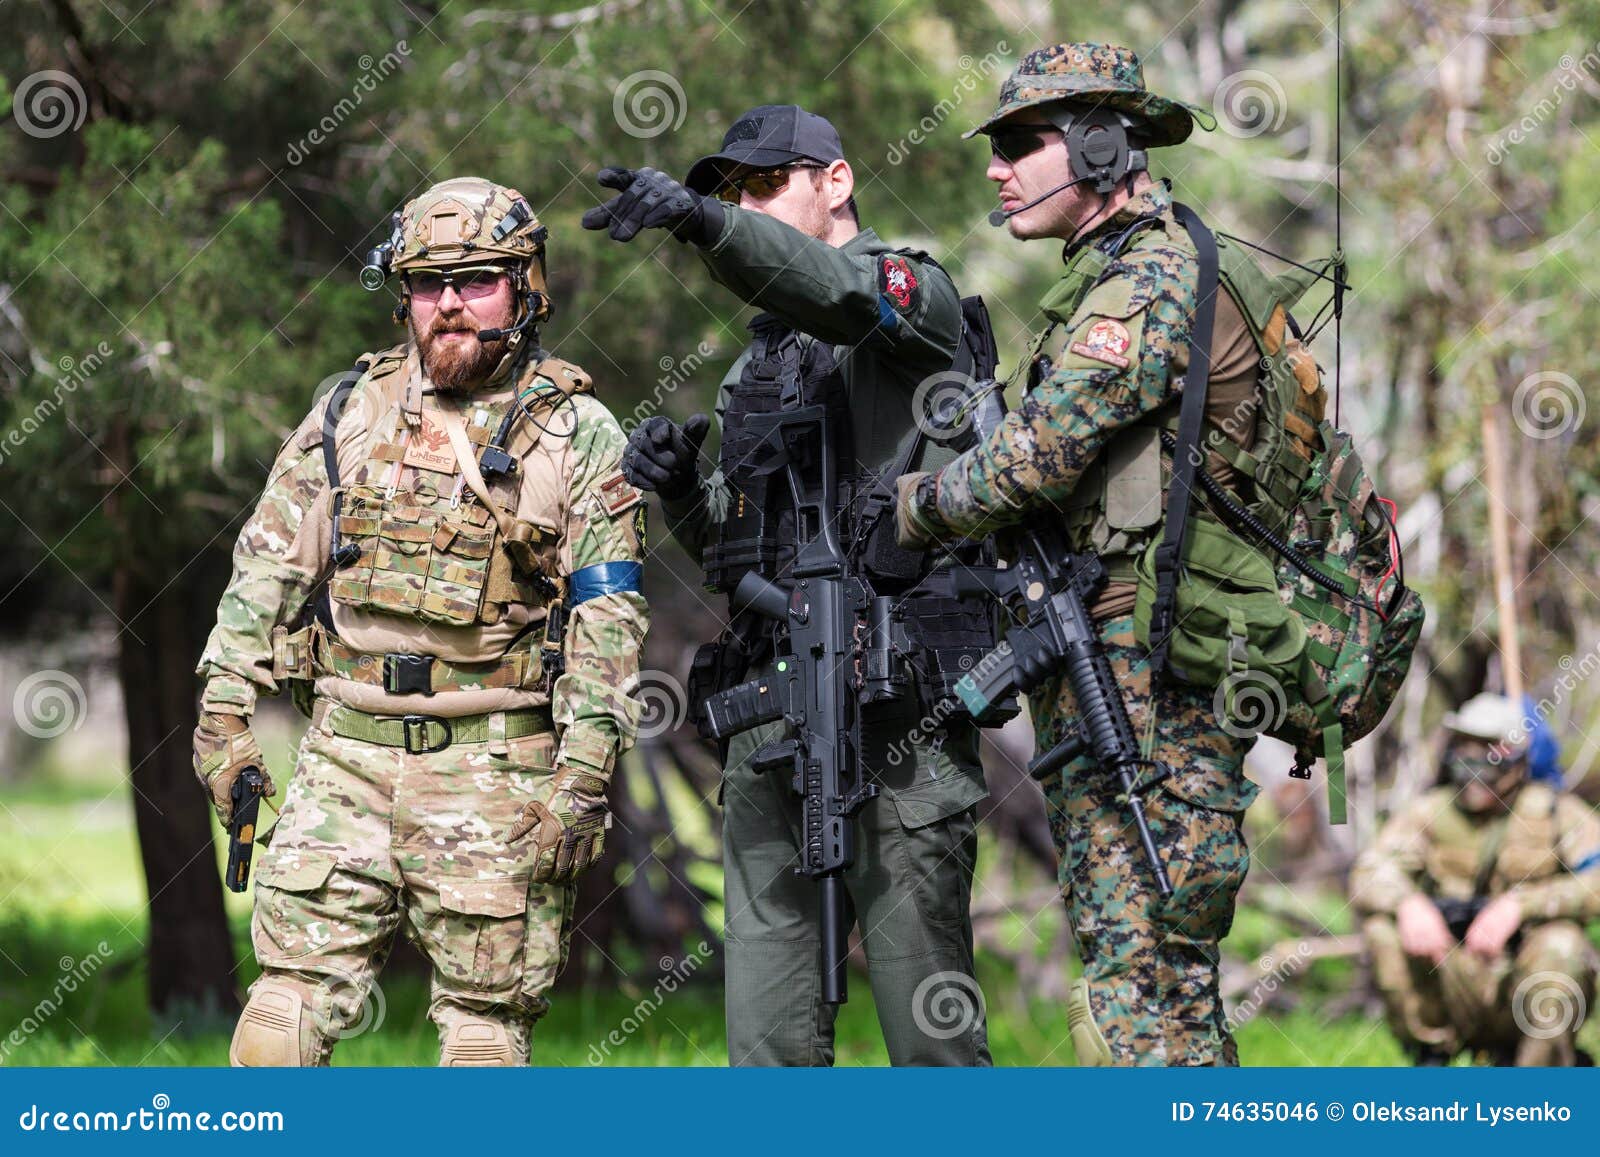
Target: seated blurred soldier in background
point(1476, 895)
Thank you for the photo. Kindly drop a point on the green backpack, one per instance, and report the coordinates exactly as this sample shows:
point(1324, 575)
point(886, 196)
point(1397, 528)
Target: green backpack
point(1291, 602)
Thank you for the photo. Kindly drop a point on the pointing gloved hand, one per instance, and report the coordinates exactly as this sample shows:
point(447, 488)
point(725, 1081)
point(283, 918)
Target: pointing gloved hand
point(662, 457)
point(570, 831)
point(223, 748)
point(650, 199)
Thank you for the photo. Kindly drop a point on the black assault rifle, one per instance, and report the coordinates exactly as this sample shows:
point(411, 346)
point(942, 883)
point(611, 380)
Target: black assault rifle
point(838, 655)
point(1048, 589)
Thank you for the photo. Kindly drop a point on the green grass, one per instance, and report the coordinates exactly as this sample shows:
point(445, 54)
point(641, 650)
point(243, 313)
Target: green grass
point(70, 881)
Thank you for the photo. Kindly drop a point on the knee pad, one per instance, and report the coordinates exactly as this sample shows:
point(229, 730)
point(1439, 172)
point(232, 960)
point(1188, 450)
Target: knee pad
point(477, 1042)
point(275, 1022)
point(1088, 1042)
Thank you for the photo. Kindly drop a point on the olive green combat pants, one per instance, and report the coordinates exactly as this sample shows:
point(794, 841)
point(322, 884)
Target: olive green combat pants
point(910, 888)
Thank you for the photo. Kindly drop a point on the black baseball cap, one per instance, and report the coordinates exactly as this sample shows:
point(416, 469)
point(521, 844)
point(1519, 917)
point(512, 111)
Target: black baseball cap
point(769, 134)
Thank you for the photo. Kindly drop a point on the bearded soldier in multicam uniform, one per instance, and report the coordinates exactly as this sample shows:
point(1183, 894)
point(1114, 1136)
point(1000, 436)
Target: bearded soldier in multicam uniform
point(1081, 452)
point(1515, 865)
point(460, 496)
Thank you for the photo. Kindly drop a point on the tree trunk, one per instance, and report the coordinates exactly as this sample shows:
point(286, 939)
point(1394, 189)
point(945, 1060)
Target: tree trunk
point(189, 952)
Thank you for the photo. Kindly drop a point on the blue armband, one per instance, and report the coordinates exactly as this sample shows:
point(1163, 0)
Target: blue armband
point(887, 318)
point(604, 578)
point(1588, 863)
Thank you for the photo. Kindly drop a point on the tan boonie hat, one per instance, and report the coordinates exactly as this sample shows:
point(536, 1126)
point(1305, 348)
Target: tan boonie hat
point(1099, 75)
point(471, 221)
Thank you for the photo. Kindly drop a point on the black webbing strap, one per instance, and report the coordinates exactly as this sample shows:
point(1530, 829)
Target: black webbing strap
point(1186, 454)
point(338, 555)
point(976, 359)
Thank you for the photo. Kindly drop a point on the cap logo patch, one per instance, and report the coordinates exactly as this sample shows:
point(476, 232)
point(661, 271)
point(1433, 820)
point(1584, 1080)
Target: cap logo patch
point(748, 129)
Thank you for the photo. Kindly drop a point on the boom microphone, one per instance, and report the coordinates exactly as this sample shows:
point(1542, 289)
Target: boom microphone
point(1000, 216)
point(484, 335)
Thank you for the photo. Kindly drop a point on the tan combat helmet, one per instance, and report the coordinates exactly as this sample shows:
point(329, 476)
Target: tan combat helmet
point(466, 221)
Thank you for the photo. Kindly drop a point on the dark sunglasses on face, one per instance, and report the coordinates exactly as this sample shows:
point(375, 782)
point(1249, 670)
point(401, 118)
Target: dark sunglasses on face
point(471, 283)
point(759, 183)
point(1013, 142)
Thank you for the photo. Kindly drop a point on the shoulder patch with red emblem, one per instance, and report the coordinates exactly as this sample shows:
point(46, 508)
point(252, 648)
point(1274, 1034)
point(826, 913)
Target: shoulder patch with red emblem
point(897, 282)
point(618, 494)
point(1107, 341)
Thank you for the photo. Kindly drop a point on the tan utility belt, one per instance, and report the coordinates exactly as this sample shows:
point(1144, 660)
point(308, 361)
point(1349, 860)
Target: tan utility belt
point(313, 653)
point(425, 734)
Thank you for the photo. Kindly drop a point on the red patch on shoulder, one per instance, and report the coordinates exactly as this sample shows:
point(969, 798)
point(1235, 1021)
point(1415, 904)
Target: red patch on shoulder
point(1107, 341)
point(899, 283)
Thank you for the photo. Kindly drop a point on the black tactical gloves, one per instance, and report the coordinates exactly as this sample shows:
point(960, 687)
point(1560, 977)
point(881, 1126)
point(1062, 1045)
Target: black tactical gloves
point(661, 456)
point(652, 200)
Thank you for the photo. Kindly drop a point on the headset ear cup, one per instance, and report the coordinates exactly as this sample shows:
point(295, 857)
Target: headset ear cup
point(1097, 146)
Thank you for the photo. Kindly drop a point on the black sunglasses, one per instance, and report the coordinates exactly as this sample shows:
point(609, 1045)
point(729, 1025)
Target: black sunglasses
point(760, 183)
point(1013, 142)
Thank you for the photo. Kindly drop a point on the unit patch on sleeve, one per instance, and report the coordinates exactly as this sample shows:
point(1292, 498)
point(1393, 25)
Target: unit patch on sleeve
point(617, 494)
point(897, 282)
point(1107, 341)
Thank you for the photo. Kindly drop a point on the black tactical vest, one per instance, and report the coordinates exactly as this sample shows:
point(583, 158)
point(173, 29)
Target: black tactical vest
point(785, 370)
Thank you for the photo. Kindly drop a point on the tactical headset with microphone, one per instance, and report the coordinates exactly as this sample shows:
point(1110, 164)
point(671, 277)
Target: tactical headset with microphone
point(533, 305)
point(1099, 149)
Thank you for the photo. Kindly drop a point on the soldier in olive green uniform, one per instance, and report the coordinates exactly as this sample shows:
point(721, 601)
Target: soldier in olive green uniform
point(461, 497)
point(1476, 895)
point(1082, 451)
point(844, 310)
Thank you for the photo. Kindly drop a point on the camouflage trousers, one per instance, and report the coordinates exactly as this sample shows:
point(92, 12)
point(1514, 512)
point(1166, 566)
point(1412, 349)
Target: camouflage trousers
point(372, 839)
point(1151, 964)
point(910, 890)
point(1524, 1006)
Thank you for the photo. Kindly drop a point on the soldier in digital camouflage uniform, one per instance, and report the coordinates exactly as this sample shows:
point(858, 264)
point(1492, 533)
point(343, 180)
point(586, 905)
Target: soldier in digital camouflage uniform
point(842, 308)
point(1081, 450)
point(1526, 856)
point(482, 555)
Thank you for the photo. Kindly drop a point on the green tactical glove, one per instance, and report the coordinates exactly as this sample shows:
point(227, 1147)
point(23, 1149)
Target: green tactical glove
point(224, 747)
point(570, 831)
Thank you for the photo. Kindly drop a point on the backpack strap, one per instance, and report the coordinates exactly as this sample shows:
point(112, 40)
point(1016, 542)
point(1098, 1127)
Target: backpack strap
point(1186, 454)
point(338, 553)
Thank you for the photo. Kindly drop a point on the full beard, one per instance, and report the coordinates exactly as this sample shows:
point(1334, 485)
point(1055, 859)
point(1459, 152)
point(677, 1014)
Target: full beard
point(461, 363)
